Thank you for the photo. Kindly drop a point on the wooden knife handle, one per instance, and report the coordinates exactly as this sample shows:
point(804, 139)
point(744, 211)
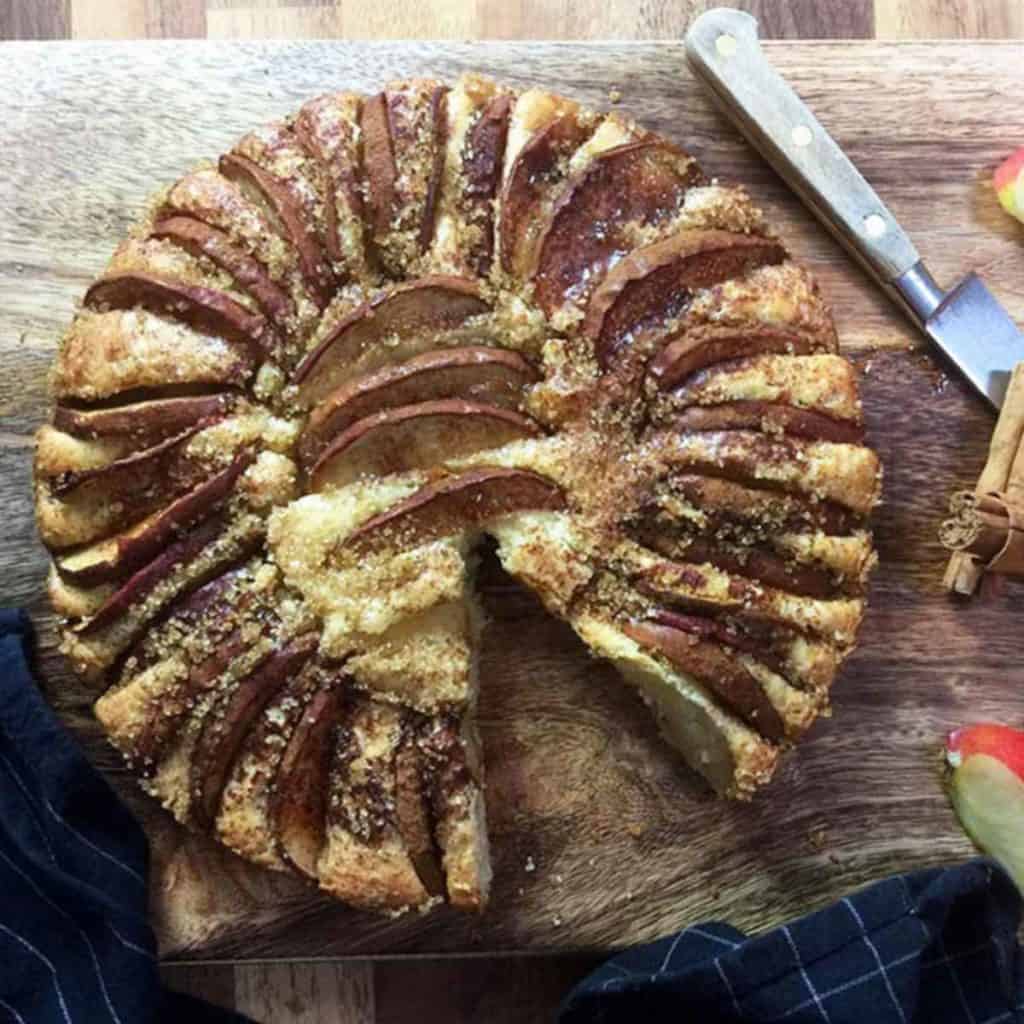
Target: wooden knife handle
point(723, 50)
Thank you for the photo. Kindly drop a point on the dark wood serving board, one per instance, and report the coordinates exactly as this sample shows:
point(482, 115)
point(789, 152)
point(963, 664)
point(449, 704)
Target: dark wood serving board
point(622, 843)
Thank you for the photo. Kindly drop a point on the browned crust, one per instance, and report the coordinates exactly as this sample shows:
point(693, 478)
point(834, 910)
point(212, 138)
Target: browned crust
point(653, 285)
point(449, 505)
point(205, 309)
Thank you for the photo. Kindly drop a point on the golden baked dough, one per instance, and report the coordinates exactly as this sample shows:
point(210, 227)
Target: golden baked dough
point(321, 369)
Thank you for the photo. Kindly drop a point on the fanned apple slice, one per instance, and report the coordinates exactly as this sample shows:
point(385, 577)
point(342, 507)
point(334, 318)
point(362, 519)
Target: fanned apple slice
point(404, 129)
point(292, 202)
point(622, 190)
point(752, 561)
point(847, 474)
point(397, 324)
point(455, 503)
point(298, 801)
point(226, 725)
point(478, 115)
point(248, 273)
point(475, 373)
point(706, 345)
point(654, 284)
point(328, 128)
point(118, 556)
point(417, 437)
point(711, 666)
point(110, 353)
point(364, 859)
point(413, 811)
point(736, 509)
point(147, 422)
point(205, 309)
point(772, 418)
point(544, 132)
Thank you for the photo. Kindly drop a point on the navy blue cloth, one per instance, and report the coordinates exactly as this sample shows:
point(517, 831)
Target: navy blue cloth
point(75, 943)
point(936, 947)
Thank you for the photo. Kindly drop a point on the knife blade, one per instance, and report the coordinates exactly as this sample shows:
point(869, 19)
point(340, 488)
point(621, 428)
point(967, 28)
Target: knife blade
point(967, 323)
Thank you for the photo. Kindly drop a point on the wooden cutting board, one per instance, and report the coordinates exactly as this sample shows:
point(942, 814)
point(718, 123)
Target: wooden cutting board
point(600, 838)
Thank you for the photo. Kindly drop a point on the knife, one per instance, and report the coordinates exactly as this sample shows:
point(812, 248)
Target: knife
point(967, 322)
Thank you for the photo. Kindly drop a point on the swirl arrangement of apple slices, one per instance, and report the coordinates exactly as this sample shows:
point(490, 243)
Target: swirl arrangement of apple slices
point(325, 365)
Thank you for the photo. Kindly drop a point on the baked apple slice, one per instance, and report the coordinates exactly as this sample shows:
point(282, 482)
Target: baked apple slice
point(409, 317)
point(455, 503)
point(205, 309)
point(413, 810)
point(604, 205)
point(118, 556)
point(772, 418)
point(146, 422)
point(417, 437)
point(328, 129)
point(707, 345)
point(710, 665)
point(226, 725)
point(544, 133)
point(105, 354)
point(272, 167)
point(248, 273)
point(298, 801)
point(476, 373)
point(404, 130)
point(654, 284)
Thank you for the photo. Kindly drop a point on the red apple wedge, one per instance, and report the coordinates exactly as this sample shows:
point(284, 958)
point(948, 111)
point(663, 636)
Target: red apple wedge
point(417, 437)
point(249, 274)
point(772, 417)
point(410, 316)
point(475, 373)
point(226, 725)
point(205, 309)
point(379, 164)
point(470, 499)
point(711, 665)
point(483, 156)
point(413, 813)
point(138, 586)
point(295, 219)
point(534, 171)
point(328, 129)
point(622, 189)
point(298, 800)
point(986, 785)
point(706, 345)
point(654, 284)
point(439, 135)
point(118, 556)
point(148, 422)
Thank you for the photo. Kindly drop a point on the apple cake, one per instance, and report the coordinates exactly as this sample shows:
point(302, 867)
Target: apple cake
point(322, 368)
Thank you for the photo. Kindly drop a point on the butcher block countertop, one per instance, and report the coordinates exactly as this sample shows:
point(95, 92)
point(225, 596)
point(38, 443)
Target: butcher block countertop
point(600, 837)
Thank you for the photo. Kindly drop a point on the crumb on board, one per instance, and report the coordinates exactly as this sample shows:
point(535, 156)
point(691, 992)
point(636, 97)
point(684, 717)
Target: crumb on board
point(636, 830)
point(529, 867)
point(818, 837)
point(614, 94)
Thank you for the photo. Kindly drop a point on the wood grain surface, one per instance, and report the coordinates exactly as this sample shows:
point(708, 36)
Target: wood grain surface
point(943, 184)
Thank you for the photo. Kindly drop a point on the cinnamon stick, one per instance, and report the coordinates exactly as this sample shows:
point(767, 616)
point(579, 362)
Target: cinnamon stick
point(989, 528)
point(1003, 474)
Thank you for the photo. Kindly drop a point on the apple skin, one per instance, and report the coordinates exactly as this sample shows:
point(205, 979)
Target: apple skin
point(986, 786)
point(413, 813)
point(756, 415)
point(147, 422)
point(1008, 182)
point(379, 161)
point(484, 155)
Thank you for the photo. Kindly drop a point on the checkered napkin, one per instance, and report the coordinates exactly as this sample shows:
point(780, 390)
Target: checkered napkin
point(935, 947)
point(75, 945)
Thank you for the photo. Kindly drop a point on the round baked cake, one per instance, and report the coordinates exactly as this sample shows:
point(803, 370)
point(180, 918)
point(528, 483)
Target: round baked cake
point(320, 370)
